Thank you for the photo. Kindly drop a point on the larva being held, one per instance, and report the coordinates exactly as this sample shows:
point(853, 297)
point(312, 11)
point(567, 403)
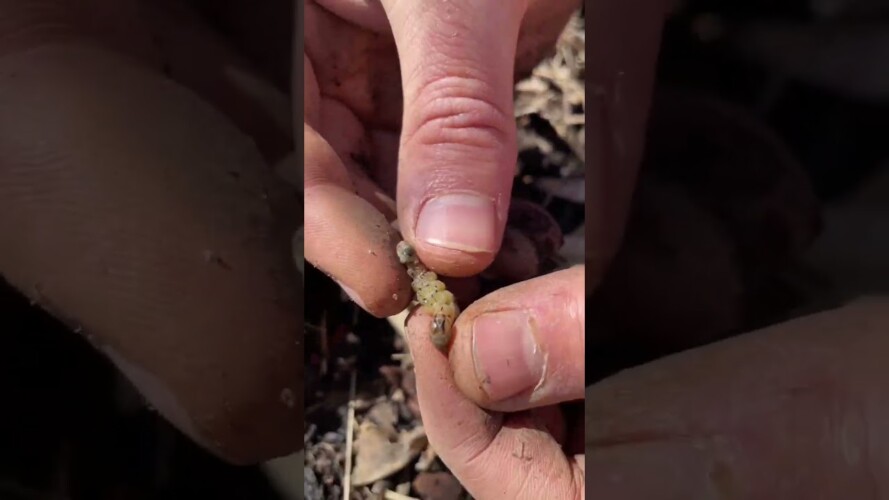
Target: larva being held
point(430, 293)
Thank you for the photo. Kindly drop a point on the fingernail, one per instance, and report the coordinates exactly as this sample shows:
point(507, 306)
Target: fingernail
point(157, 393)
point(351, 293)
point(505, 352)
point(461, 221)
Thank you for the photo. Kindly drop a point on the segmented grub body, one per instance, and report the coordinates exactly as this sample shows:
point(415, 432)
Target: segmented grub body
point(431, 293)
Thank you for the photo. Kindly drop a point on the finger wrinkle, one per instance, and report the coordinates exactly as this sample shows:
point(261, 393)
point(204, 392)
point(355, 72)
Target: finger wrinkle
point(474, 449)
point(535, 458)
point(454, 108)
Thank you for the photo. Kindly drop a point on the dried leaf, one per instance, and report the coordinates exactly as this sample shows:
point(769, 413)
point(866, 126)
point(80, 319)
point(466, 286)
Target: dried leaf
point(377, 457)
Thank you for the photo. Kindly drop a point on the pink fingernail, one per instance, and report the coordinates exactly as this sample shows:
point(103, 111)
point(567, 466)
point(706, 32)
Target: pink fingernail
point(351, 293)
point(506, 355)
point(462, 221)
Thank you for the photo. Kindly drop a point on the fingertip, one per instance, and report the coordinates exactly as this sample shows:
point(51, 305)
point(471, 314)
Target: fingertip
point(453, 263)
point(522, 346)
point(274, 433)
point(347, 232)
point(457, 234)
point(456, 210)
point(354, 244)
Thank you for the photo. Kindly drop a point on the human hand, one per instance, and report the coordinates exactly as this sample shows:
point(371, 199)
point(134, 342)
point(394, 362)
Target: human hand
point(791, 411)
point(492, 409)
point(136, 207)
point(449, 134)
point(496, 437)
point(796, 410)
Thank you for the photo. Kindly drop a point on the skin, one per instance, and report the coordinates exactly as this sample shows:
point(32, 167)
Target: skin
point(795, 411)
point(511, 448)
point(792, 411)
point(137, 207)
point(447, 128)
point(369, 141)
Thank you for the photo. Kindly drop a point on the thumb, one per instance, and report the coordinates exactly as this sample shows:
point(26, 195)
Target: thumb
point(458, 142)
point(519, 455)
point(522, 346)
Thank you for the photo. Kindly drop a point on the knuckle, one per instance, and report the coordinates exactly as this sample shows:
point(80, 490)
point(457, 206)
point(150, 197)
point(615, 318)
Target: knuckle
point(458, 111)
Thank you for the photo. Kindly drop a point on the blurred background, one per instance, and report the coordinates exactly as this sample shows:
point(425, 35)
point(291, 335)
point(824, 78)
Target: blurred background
point(764, 190)
point(764, 195)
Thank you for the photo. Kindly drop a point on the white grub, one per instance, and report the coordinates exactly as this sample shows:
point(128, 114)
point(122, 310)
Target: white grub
point(431, 293)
